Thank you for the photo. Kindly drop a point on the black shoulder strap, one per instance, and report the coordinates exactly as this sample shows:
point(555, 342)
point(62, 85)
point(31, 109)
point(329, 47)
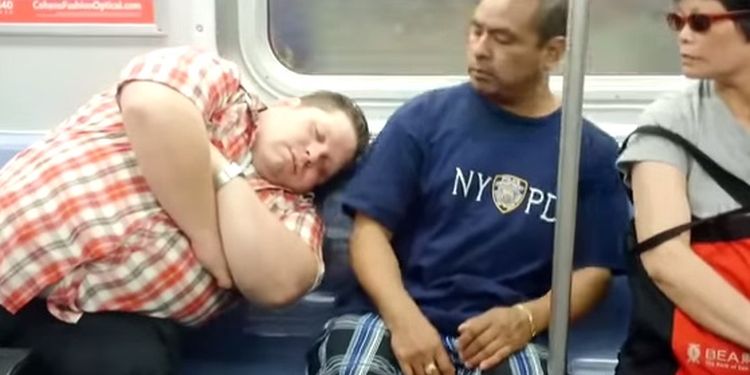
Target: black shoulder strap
point(738, 189)
point(668, 234)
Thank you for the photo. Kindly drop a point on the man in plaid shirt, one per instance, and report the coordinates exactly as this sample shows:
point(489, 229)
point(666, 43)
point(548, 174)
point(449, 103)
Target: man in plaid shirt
point(158, 202)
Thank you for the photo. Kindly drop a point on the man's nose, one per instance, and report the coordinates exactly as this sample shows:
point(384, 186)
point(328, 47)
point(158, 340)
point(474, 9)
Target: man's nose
point(479, 47)
point(315, 152)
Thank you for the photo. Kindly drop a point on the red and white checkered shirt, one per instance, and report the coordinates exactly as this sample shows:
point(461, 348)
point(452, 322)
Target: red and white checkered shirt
point(79, 225)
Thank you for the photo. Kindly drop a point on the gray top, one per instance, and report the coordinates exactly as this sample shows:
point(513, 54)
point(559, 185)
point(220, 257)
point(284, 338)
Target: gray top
point(702, 117)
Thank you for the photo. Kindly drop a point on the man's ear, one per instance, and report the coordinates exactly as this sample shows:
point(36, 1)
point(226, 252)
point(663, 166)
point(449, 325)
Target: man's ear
point(287, 102)
point(554, 51)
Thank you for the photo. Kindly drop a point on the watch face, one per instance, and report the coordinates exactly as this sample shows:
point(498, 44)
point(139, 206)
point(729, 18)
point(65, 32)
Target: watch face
point(233, 170)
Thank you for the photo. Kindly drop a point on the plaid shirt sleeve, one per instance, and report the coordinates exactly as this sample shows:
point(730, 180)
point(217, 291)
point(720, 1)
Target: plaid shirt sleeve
point(203, 77)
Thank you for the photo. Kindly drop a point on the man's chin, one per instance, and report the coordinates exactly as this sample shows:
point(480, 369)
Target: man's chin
point(486, 90)
point(263, 172)
point(296, 189)
point(483, 86)
point(288, 183)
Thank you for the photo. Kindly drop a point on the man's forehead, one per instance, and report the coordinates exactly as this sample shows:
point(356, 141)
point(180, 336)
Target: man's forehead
point(341, 125)
point(514, 14)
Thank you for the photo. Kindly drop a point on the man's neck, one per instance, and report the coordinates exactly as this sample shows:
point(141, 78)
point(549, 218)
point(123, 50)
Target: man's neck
point(537, 101)
point(736, 95)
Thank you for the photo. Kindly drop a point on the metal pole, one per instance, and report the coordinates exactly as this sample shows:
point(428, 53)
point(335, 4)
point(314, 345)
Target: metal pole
point(567, 183)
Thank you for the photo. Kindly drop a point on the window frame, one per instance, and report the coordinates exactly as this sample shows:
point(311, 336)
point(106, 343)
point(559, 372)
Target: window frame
point(610, 101)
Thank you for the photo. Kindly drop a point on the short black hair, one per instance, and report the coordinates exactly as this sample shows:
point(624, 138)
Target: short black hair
point(552, 19)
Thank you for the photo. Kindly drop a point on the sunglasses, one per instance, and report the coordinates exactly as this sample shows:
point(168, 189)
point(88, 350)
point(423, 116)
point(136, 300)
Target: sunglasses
point(701, 23)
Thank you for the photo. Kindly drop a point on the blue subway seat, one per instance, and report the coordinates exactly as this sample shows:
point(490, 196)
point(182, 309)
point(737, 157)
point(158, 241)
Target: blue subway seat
point(12, 143)
point(228, 346)
point(595, 340)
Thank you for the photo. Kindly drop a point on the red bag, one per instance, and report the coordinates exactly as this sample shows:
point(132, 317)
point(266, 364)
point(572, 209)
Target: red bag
point(664, 340)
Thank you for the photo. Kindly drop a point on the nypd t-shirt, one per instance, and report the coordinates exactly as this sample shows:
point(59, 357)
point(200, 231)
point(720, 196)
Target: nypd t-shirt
point(468, 191)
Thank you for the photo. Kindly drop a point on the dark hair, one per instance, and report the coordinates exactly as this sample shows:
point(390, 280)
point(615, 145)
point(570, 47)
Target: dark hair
point(331, 101)
point(552, 19)
point(744, 22)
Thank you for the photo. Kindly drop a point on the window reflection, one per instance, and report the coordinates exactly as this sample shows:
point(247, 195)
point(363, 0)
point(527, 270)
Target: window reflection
point(426, 37)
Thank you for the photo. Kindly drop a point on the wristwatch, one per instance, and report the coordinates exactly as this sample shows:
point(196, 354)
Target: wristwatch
point(228, 173)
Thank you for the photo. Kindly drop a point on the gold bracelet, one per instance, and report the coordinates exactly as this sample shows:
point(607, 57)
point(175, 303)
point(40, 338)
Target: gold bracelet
point(529, 316)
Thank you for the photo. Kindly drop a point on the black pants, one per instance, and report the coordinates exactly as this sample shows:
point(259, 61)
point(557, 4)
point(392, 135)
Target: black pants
point(103, 343)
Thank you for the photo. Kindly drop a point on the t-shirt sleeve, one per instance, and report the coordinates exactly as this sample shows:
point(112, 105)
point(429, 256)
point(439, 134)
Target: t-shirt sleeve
point(603, 213)
point(644, 147)
point(201, 76)
point(386, 182)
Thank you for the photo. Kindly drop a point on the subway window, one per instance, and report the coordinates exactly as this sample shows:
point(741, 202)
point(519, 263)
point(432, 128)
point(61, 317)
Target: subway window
point(426, 37)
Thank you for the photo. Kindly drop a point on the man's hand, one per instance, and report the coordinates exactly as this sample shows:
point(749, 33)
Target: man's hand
point(418, 347)
point(488, 339)
point(211, 255)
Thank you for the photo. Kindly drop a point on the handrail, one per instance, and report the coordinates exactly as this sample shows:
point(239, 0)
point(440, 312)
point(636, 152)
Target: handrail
point(567, 183)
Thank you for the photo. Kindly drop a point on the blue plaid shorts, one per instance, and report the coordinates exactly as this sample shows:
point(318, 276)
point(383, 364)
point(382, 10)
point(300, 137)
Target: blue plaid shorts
point(360, 345)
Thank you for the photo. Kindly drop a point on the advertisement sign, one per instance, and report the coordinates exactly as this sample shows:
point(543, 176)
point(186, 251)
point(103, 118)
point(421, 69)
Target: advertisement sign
point(32, 12)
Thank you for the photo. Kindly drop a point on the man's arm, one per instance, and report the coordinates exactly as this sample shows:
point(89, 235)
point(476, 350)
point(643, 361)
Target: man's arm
point(675, 269)
point(415, 341)
point(377, 270)
point(269, 263)
point(486, 340)
point(588, 287)
point(170, 142)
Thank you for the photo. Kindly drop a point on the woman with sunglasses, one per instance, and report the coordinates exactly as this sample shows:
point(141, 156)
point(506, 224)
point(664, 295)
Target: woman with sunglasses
point(692, 307)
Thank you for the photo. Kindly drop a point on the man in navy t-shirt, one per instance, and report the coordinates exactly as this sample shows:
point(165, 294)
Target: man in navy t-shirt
point(455, 212)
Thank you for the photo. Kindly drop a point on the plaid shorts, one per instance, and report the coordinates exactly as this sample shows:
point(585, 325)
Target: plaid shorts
point(360, 345)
